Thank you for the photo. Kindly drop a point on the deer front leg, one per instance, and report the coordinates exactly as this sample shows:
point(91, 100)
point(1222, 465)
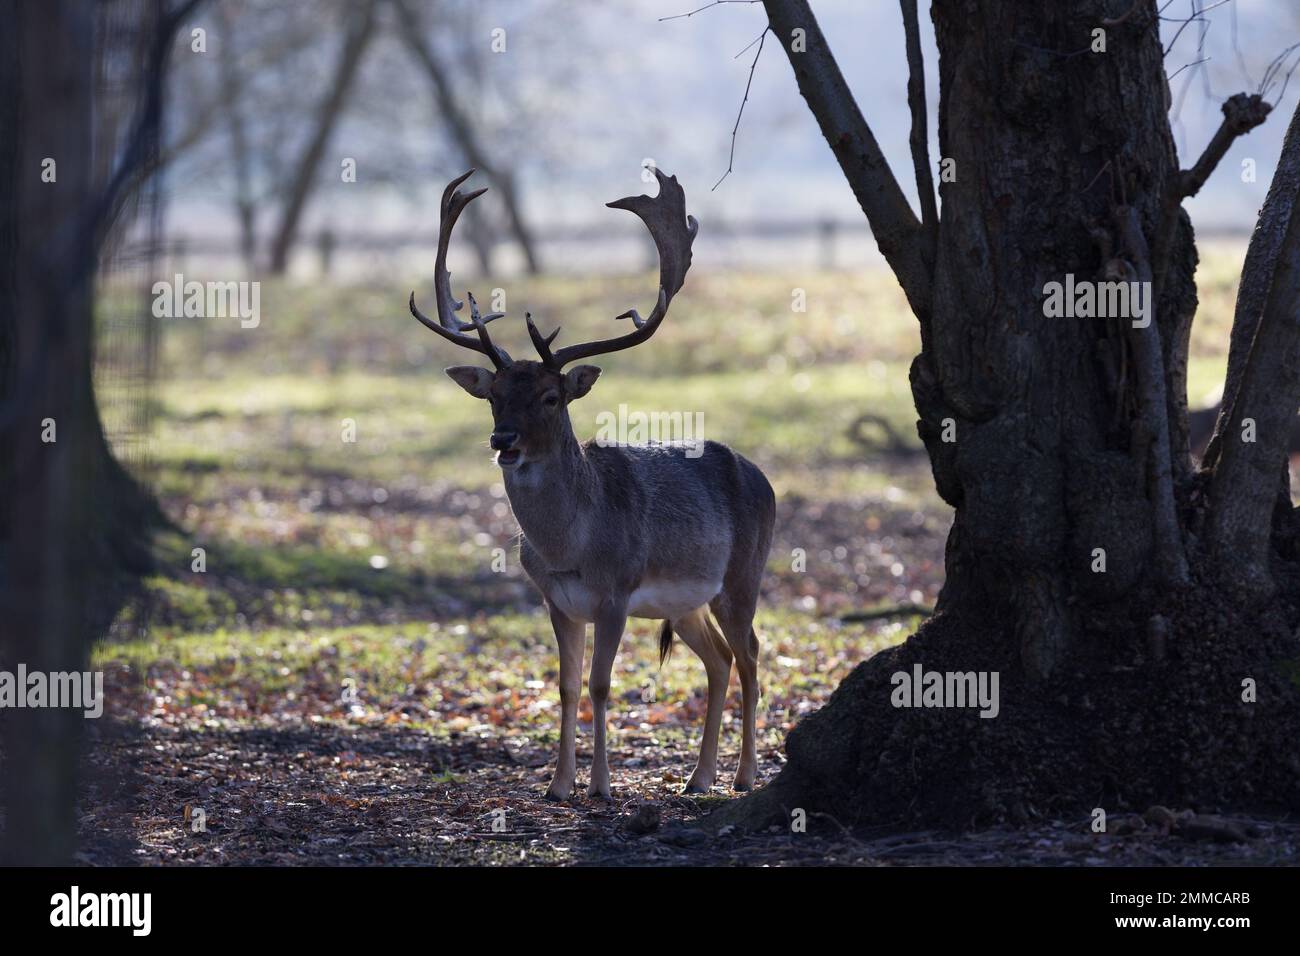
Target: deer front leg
point(610, 621)
point(570, 636)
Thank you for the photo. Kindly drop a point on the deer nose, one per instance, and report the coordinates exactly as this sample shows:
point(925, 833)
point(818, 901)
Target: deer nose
point(503, 441)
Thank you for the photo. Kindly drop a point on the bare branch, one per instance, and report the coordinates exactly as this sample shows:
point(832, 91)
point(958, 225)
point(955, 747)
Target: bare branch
point(359, 32)
point(134, 164)
point(1186, 22)
point(731, 158)
point(1241, 113)
point(895, 226)
point(1236, 49)
point(707, 6)
point(1204, 59)
point(919, 140)
point(1275, 67)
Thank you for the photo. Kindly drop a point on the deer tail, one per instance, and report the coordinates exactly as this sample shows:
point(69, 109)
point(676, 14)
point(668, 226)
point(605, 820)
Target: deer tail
point(665, 641)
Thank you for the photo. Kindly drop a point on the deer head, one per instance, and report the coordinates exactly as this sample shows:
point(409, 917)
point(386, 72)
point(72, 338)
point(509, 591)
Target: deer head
point(529, 399)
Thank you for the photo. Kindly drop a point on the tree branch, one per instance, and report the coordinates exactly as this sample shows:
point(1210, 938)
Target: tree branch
point(1241, 113)
point(731, 157)
point(1153, 438)
point(895, 226)
point(463, 132)
point(134, 163)
point(1244, 486)
point(919, 141)
point(1261, 254)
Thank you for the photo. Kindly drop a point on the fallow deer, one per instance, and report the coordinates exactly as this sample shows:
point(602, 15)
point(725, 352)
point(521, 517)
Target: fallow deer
point(615, 532)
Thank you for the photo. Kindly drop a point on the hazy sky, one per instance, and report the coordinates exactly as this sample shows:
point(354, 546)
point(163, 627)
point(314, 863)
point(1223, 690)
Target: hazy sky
point(682, 75)
point(635, 87)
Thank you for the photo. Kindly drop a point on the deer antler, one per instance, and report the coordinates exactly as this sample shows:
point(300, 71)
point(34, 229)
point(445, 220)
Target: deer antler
point(673, 232)
point(448, 326)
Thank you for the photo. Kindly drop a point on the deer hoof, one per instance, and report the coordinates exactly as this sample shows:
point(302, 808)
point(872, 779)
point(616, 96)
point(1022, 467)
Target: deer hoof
point(599, 793)
point(558, 796)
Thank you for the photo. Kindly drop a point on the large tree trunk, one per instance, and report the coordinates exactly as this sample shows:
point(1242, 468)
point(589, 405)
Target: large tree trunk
point(44, 493)
point(1069, 451)
point(1045, 468)
point(73, 524)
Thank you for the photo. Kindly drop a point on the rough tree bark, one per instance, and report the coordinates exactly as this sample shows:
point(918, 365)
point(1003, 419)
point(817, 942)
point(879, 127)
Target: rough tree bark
point(73, 524)
point(50, 326)
point(1076, 513)
point(1265, 389)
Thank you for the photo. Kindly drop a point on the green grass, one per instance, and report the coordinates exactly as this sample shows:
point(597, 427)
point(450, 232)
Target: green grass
point(277, 431)
point(464, 677)
point(326, 555)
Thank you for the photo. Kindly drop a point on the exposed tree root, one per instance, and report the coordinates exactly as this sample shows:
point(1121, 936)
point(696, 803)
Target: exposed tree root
point(1129, 720)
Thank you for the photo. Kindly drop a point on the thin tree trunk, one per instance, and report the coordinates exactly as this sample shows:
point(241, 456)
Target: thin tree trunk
point(1256, 275)
point(1244, 488)
point(232, 97)
point(821, 83)
point(361, 29)
point(462, 131)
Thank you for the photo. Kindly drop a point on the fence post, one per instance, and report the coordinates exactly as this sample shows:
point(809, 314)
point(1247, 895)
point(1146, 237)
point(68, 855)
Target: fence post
point(325, 244)
point(827, 229)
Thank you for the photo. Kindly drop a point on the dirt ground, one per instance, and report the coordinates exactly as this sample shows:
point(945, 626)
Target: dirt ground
point(371, 565)
point(295, 795)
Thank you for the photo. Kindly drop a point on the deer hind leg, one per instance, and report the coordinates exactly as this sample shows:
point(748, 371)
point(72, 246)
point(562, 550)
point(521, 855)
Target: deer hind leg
point(737, 623)
point(698, 633)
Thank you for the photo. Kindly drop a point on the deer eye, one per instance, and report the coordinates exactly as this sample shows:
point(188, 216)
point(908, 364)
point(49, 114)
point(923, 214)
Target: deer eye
point(551, 399)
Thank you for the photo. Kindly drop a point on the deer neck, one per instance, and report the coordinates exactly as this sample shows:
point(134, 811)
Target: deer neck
point(552, 497)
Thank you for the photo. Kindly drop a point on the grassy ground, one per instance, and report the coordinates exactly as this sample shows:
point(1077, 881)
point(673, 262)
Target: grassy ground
point(361, 673)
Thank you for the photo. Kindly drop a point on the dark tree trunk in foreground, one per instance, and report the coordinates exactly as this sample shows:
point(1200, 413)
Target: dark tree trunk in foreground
point(1067, 444)
point(73, 524)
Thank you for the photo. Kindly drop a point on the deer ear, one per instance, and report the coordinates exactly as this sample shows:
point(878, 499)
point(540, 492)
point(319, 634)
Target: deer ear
point(477, 381)
point(579, 379)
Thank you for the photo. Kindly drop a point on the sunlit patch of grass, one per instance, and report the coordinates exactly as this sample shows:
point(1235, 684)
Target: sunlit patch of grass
point(318, 546)
point(484, 675)
point(1217, 277)
point(1205, 380)
point(280, 432)
point(727, 321)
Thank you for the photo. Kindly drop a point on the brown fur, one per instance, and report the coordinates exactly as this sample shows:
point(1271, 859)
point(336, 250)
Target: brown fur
point(600, 522)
